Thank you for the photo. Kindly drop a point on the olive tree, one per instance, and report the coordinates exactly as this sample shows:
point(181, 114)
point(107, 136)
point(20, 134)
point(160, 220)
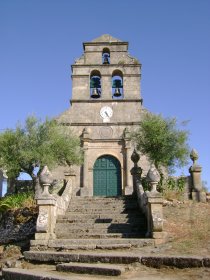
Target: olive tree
point(35, 145)
point(163, 141)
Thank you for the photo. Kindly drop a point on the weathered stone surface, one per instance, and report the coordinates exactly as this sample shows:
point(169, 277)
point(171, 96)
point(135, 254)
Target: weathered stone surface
point(108, 258)
point(50, 256)
point(206, 262)
point(180, 262)
point(102, 218)
point(113, 246)
point(65, 243)
point(100, 269)
point(102, 139)
point(18, 225)
point(23, 274)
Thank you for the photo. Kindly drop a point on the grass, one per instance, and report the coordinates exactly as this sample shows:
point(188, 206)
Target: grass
point(188, 227)
point(15, 201)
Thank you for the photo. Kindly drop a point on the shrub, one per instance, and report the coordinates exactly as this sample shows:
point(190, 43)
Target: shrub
point(15, 201)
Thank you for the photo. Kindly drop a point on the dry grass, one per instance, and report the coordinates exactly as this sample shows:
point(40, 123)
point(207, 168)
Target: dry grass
point(188, 227)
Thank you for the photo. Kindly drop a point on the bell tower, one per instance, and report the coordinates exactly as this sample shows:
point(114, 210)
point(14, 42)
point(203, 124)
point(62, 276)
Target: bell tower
point(106, 71)
point(106, 106)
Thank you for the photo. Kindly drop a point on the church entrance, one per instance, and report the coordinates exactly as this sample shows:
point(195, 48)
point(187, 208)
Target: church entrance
point(107, 176)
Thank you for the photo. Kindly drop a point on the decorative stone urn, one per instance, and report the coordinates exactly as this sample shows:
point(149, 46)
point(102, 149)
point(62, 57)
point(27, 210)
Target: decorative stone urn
point(195, 170)
point(46, 180)
point(153, 177)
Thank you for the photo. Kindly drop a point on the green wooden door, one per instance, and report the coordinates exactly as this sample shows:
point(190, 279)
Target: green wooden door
point(107, 176)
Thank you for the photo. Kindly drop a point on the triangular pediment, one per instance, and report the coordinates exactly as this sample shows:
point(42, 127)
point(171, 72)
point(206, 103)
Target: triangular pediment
point(105, 38)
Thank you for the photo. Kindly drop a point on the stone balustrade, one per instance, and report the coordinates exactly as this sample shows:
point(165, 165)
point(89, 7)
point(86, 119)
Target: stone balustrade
point(150, 202)
point(50, 206)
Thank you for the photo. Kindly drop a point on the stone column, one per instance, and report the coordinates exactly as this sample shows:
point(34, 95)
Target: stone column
point(136, 171)
point(46, 219)
point(106, 90)
point(84, 191)
point(1, 182)
point(47, 208)
point(198, 194)
point(128, 163)
point(70, 174)
point(154, 208)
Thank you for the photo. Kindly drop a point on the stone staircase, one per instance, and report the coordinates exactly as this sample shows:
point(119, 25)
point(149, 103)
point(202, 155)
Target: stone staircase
point(101, 223)
point(97, 217)
point(90, 223)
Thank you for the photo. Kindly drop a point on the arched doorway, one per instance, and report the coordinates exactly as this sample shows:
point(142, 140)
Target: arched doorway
point(107, 176)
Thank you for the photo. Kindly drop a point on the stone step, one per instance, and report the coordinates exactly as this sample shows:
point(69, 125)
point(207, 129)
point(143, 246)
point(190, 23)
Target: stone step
point(87, 231)
point(103, 208)
point(85, 220)
point(70, 228)
point(95, 226)
point(103, 211)
point(35, 274)
point(104, 198)
point(55, 257)
point(98, 235)
point(73, 243)
point(99, 269)
point(75, 202)
point(102, 216)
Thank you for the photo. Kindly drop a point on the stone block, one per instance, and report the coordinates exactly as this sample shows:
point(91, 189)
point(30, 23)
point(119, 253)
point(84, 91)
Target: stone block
point(108, 258)
point(179, 262)
point(199, 196)
point(100, 269)
point(206, 262)
point(50, 256)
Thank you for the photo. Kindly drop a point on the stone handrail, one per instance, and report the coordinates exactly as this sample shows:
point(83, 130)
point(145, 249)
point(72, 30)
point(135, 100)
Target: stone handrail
point(150, 202)
point(50, 206)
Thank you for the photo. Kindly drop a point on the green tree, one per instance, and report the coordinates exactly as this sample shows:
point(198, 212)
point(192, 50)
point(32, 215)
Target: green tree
point(37, 144)
point(162, 141)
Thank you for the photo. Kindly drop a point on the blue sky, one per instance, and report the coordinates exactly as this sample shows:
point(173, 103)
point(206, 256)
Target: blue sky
point(40, 39)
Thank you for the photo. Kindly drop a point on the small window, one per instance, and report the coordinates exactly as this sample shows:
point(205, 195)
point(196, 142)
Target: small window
point(117, 85)
point(106, 56)
point(95, 84)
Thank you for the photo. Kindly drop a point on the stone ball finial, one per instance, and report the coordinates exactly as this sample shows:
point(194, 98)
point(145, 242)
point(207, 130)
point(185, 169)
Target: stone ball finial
point(135, 156)
point(46, 176)
point(194, 155)
point(153, 175)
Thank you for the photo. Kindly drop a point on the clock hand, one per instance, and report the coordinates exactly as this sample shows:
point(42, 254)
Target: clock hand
point(107, 114)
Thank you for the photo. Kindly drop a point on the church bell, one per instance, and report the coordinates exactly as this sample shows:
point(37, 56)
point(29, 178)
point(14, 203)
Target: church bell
point(117, 93)
point(95, 93)
point(106, 60)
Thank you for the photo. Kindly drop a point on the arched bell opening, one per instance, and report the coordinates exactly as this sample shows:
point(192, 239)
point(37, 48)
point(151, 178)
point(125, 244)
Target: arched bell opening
point(117, 84)
point(107, 176)
point(95, 84)
point(106, 56)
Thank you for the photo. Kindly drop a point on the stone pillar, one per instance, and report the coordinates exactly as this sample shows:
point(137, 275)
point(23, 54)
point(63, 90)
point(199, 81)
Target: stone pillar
point(70, 174)
point(84, 191)
point(106, 90)
point(47, 208)
point(128, 163)
point(46, 219)
point(198, 194)
point(154, 208)
point(1, 182)
point(136, 171)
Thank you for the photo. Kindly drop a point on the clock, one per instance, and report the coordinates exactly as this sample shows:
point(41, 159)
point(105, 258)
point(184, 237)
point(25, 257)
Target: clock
point(106, 113)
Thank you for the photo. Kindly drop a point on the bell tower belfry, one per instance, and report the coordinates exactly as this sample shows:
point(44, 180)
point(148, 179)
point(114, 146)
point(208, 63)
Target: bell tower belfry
point(106, 106)
point(106, 71)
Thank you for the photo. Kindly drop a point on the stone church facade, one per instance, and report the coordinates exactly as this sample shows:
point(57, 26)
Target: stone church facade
point(106, 106)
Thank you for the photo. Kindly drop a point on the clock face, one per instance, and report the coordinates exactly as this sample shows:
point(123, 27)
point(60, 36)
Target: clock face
point(106, 112)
